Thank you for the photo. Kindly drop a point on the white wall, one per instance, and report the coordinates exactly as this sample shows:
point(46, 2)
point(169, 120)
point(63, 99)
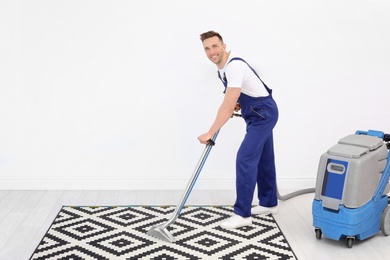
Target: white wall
point(113, 94)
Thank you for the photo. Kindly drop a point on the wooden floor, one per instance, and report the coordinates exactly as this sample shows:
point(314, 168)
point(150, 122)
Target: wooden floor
point(25, 216)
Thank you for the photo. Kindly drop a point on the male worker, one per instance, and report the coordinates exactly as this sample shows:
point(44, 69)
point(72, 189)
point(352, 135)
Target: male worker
point(255, 158)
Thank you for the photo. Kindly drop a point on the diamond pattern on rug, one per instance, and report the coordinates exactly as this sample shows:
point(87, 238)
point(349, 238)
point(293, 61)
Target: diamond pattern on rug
point(120, 233)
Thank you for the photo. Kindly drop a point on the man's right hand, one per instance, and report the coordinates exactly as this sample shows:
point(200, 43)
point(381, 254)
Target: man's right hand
point(237, 107)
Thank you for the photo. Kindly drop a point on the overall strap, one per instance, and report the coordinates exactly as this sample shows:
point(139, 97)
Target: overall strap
point(224, 81)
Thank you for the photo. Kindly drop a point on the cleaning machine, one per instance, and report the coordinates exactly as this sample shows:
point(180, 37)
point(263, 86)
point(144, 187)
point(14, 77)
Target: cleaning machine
point(351, 200)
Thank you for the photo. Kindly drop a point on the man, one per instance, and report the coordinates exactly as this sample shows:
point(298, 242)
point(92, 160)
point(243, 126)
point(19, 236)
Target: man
point(245, 91)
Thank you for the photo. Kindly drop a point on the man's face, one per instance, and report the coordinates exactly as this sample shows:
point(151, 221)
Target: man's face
point(215, 51)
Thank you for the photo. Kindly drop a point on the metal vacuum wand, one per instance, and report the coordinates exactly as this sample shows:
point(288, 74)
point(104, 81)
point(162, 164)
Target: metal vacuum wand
point(161, 231)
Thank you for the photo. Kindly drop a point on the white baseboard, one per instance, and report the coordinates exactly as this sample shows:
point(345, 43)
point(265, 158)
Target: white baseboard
point(139, 184)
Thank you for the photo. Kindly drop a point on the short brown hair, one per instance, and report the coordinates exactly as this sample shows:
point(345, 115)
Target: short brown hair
point(210, 34)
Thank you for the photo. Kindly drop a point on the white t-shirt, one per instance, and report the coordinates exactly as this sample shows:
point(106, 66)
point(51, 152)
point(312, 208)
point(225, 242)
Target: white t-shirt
point(239, 75)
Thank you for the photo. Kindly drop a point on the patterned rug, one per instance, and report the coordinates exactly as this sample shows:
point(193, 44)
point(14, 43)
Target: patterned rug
point(120, 233)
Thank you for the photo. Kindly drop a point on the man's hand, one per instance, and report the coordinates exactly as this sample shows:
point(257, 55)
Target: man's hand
point(237, 107)
point(204, 138)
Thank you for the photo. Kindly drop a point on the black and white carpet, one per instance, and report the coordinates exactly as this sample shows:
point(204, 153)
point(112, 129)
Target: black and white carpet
point(120, 233)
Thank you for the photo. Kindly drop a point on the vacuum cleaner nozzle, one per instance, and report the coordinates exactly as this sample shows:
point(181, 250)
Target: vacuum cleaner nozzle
point(162, 233)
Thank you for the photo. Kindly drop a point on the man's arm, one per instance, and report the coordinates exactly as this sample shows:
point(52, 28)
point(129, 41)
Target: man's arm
point(225, 112)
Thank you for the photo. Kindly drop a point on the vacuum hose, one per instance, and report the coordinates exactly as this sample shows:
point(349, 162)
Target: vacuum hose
point(293, 194)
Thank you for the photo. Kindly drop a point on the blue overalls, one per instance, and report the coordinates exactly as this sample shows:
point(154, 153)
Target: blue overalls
point(255, 162)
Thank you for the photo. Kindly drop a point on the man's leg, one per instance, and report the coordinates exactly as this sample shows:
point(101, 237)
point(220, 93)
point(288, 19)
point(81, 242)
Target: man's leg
point(248, 158)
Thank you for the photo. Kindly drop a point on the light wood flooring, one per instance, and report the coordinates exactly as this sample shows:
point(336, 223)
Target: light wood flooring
point(26, 215)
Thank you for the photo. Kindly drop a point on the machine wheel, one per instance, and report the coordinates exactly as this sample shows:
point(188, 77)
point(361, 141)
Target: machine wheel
point(318, 233)
point(385, 221)
point(350, 241)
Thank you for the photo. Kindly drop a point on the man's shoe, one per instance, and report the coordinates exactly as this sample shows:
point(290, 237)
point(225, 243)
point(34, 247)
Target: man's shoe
point(264, 210)
point(236, 221)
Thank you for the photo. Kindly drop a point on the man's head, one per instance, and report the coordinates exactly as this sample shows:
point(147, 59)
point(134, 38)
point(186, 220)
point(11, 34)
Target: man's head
point(210, 34)
point(215, 48)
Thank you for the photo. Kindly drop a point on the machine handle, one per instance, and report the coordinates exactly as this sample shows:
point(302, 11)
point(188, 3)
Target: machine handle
point(211, 142)
point(380, 134)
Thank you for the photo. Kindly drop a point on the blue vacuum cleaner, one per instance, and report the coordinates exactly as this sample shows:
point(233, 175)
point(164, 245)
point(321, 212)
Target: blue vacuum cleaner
point(351, 200)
